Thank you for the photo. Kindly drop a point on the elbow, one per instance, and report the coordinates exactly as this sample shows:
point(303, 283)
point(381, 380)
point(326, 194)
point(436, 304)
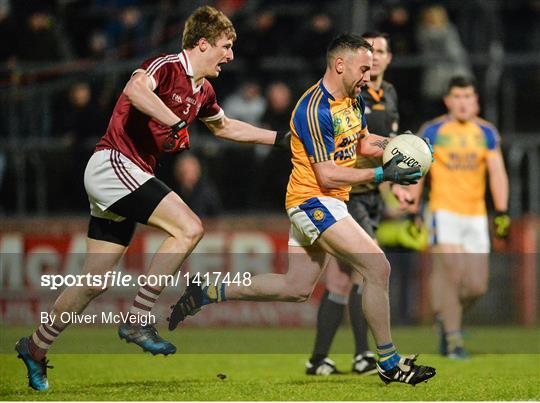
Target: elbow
point(222, 130)
point(220, 134)
point(129, 91)
point(132, 88)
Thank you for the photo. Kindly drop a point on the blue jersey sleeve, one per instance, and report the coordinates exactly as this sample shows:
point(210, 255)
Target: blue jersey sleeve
point(313, 123)
point(491, 136)
point(429, 132)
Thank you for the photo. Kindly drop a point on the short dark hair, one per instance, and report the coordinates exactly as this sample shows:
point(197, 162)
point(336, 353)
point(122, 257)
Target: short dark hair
point(346, 41)
point(461, 82)
point(377, 34)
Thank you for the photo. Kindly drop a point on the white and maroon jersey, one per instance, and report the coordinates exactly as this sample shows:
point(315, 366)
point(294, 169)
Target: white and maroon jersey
point(143, 139)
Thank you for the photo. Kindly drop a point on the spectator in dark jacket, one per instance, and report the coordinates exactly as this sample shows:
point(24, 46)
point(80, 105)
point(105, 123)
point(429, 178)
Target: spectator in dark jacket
point(195, 189)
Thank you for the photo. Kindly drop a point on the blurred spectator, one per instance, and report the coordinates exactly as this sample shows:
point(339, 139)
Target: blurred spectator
point(399, 28)
point(97, 45)
point(128, 33)
point(259, 36)
point(195, 189)
point(166, 27)
point(478, 25)
point(273, 170)
point(439, 43)
point(41, 39)
point(78, 123)
point(278, 106)
point(246, 104)
point(318, 32)
point(80, 120)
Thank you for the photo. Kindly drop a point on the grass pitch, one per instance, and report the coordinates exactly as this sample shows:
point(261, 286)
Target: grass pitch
point(120, 372)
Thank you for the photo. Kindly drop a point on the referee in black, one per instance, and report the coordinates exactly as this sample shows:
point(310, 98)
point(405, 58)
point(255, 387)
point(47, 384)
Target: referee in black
point(344, 286)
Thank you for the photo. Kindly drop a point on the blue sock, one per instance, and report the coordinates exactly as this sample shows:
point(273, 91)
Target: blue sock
point(213, 293)
point(388, 356)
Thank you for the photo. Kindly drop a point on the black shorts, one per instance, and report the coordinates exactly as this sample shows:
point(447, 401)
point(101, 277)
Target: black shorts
point(118, 223)
point(366, 209)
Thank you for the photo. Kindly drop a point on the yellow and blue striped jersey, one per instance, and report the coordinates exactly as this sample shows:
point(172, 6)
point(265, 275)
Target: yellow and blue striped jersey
point(458, 175)
point(323, 128)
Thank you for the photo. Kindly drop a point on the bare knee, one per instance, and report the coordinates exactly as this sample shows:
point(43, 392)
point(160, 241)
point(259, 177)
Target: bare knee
point(383, 272)
point(195, 231)
point(476, 290)
point(378, 272)
point(192, 232)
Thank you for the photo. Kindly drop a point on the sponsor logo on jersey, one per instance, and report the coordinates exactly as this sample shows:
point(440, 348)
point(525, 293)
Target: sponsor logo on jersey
point(176, 98)
point(345, 120)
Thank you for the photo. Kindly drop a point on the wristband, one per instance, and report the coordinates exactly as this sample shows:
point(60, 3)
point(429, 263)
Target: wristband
point(283, 140)
point(178, 126)
point(279, 137)
point(379, 175)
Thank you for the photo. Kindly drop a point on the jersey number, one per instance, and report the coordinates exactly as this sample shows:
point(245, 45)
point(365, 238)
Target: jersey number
point(188, 106)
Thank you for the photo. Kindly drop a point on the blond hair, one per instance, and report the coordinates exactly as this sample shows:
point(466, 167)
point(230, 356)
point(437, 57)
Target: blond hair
point(209, 23)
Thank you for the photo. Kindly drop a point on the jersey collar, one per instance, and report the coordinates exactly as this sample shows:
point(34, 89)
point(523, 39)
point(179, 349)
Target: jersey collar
point(325, 91)
point(186, 64)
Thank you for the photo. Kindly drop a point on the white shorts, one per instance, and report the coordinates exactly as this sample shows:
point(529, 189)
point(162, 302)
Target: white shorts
point(110, 176)
point(310, 219)
point(471, 232)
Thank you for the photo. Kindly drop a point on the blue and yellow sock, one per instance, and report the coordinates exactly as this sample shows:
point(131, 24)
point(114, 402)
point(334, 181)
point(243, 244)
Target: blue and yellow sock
point(213, 293)
point(388, 356)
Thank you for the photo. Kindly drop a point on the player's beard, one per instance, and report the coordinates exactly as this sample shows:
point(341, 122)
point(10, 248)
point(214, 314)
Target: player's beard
point(354, 91)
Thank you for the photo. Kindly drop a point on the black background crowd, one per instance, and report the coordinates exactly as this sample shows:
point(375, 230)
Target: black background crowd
point(63, 64)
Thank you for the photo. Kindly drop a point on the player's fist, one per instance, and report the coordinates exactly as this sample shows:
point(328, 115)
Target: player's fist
point(502, 223)
point(177, 139)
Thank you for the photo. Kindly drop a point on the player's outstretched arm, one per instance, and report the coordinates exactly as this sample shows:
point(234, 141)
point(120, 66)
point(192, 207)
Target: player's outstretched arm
point(139, 92)
point(372, 145)
point(236, 130)
point(498, 180)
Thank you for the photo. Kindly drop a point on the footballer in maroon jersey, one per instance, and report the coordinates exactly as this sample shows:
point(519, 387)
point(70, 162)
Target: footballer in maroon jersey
point(162, 98)
point(140, 137)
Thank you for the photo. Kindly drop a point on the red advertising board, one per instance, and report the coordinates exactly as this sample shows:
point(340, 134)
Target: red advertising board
point(36, 252)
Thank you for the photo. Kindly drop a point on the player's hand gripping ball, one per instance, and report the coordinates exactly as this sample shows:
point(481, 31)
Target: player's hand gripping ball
point(415, 150)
